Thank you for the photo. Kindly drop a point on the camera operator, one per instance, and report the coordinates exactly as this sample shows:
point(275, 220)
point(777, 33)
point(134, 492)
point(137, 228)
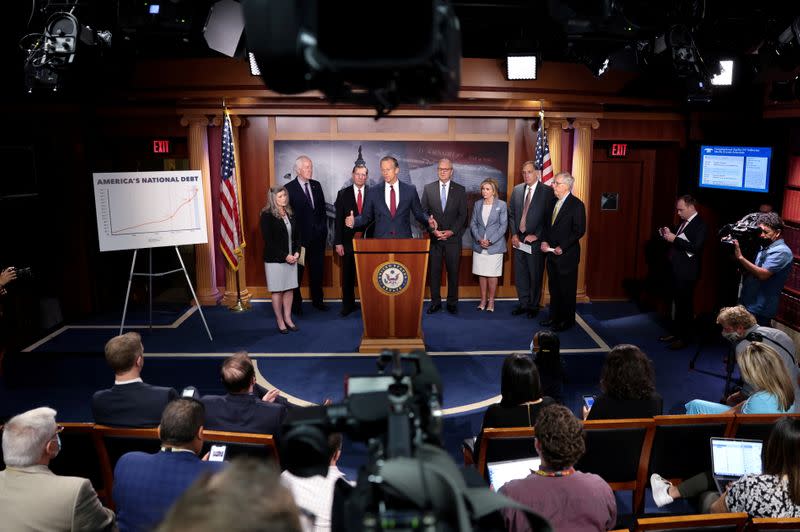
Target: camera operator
point(6, 276)
point(764, 278)
point(740, 328)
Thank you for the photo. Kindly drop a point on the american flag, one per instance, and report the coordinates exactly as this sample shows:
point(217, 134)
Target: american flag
point(542, 159)
point(230, 228)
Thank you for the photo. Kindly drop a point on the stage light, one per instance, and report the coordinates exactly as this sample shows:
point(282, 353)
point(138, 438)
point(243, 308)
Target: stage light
point(725, 77)
point(521, 67)
point(254, 69)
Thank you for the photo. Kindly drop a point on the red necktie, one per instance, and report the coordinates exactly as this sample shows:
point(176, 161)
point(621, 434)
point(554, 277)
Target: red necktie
point(392, 201)
point(359, 201)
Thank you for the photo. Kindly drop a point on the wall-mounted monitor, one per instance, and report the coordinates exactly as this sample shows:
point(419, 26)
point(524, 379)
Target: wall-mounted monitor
point(743, 168)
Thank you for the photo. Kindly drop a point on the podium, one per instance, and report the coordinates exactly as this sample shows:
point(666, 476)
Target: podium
point(391, 282)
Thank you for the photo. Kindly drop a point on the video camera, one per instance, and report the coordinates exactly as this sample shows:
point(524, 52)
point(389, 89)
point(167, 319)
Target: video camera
point(746, 231)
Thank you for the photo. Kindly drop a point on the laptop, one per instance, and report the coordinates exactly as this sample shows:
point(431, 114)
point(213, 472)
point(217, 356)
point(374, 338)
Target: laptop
point(508, 470)
point(733, 458)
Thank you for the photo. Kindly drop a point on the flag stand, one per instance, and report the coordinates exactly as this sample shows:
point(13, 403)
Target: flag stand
point(239, 306)
point(150, 276)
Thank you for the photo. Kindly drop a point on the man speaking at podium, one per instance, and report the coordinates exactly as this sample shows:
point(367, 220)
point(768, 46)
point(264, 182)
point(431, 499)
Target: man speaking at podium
point(391, 210)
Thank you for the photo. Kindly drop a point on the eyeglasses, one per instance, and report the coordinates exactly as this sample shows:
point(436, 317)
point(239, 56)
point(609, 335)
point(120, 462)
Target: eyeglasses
point(558, 183)
point(360, 175)
point(59, 430)
point(445, 169)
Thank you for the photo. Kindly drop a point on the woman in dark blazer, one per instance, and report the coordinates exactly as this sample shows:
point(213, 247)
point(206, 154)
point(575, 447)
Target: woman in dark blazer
point(488, 228)
point(281, 253)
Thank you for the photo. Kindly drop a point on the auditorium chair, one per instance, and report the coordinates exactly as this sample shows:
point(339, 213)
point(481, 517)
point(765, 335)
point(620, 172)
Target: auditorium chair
point(774, 523)
point(755, 426)
point(78, 457)
point(260, 446)
point(733, 522)
point(112, 442)
point(504, 444)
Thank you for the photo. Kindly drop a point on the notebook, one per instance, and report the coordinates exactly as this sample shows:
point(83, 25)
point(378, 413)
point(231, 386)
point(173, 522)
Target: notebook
point(508, 470)
point(732, 458)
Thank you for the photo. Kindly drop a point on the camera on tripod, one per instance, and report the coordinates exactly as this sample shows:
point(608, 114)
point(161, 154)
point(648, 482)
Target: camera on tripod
point(746, 231)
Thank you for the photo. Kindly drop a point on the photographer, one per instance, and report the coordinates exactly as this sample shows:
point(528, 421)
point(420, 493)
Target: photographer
point(764, 278)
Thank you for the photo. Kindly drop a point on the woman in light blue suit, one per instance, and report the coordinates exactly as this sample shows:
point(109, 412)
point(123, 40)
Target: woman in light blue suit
point(488, 227)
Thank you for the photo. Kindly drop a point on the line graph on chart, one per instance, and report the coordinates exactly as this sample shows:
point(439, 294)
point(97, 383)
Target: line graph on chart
point(175, 209)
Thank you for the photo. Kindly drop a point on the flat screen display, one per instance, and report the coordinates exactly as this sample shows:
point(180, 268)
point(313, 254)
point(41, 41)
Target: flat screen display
point(743, 168)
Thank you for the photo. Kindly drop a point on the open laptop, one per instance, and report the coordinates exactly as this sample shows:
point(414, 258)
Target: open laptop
point(732, 458)
point(507, 470)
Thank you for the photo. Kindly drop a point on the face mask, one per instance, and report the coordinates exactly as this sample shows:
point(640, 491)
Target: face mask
point(731, 337)
point(765, 242)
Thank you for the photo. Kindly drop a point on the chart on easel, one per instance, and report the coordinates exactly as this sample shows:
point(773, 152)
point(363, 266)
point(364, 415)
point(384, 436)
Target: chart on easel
point(138, 210)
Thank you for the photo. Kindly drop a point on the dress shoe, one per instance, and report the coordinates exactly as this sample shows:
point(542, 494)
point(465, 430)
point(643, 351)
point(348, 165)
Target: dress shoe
point(320, 306)
point(481, 307)
point(559, 327)
point(546, 323)
point(490, 307)
point(519, 310)
point(667, 338)
point(434, 307)
point(283, 331)
point(677, 344)
point(532, 313)
point(452, 309)
point(294, 328)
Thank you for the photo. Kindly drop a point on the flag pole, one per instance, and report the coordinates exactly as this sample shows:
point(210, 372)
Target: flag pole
point(239, 306)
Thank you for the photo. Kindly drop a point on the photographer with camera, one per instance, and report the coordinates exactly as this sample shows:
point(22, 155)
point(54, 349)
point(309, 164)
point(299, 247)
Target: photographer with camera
point(6, 276)
point(764, 278)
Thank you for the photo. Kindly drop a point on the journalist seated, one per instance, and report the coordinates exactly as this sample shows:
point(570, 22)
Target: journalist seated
point(31, 496)
point(146, 485)
point(569, 499)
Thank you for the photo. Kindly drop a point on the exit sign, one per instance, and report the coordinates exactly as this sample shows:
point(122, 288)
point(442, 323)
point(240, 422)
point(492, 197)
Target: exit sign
point(160, 146)
point(618, 149)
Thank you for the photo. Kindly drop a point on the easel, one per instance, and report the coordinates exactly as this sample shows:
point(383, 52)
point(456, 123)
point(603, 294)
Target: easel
point(150, 276)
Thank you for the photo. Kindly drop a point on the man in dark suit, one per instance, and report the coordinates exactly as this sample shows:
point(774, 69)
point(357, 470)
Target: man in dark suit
point(308, 203)
point(685, 253)
point(446, 202)
point(391, 206)
point(349, 199)
point(146, 485)
point(564, 227)
point(531, 203)
point(130, 402)
point(240, 410)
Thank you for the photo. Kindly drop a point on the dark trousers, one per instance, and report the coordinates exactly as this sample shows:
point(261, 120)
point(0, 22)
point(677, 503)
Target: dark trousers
point(683, 297)
point(528, 275)
point(450, 253)
point(563, 283)
point(314, 261)
point(348, 280)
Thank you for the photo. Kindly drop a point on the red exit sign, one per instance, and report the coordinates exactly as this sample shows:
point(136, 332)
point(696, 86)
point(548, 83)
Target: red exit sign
point(160, 146)
point(618, 149)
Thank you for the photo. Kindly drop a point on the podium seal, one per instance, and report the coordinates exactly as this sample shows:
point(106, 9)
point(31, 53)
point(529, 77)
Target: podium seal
point(391, 278)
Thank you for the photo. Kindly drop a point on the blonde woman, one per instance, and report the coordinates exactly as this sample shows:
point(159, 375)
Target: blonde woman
point(281, 252)
point(762, 368)
point(488, 228)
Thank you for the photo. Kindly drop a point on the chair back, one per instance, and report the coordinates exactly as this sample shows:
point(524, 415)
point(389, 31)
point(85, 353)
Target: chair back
point(78, 457)
point(733, 522)
point(259, 446)
point(504, 444)
point(756, 426)
point(774, 523)
point(112, 442)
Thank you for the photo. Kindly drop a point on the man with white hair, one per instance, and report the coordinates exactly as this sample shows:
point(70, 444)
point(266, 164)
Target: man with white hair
point(34, 498)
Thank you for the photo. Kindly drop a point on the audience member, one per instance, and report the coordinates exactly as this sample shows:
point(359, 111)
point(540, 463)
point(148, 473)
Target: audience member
point(627, 385)
point(130, 402)
point(740, 327)
point(314, 494)
point(775, 493)
point(246, 497)
point(569, 499)
point(240, 410)
point(546, 351)
point(764, 372)
point(31, 496)
point(146, 485)
point(488, 228)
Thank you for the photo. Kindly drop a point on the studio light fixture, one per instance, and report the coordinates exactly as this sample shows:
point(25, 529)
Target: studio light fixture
point(725, 77)
point(254, 69)
point(521, 66)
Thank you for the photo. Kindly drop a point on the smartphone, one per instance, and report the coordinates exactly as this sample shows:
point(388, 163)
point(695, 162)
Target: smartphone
point(217, 453)
point(588, 400)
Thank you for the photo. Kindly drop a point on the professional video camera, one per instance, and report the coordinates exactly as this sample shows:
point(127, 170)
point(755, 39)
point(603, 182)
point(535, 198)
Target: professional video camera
point(409, 482)
point(746, 231)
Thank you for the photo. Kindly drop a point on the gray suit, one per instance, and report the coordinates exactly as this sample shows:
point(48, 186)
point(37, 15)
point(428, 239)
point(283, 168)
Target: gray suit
point(529, 268)
point(34, 498)
point(453, 218)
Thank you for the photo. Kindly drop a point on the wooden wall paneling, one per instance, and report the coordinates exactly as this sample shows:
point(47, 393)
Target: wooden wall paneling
point(666, 127)
point(254, 167)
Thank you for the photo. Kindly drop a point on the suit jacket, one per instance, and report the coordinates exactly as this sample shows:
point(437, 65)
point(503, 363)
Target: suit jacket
point(685, 267)
point(137, 404)
point(146, 485)
point(243, 413)
point(454, 216)
point(375, 209)
point(346, 202)
point(567, 229)
point(312, 221)
point(34, 498)
point(494, 230)
point(276, 237)
point(539, 210)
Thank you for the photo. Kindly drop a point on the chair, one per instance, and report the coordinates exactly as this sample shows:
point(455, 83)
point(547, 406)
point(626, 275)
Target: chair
point(681, 446)
point(78, 457)
point(755, 426)
point(504, 444)
point(701, 522)
point(260, 446)
point(774, 523)
point(618, 450)
point(112, 442)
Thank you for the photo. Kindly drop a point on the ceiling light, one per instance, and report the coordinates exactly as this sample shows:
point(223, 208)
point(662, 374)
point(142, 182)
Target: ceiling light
point(521, 67)
point(254, 70)
point(725, 77)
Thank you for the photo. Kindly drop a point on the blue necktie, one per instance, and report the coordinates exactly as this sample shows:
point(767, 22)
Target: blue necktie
point(444, 196)
point(308, 195)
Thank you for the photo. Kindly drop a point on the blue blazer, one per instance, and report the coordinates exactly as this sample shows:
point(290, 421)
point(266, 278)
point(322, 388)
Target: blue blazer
point(376, 210)
point(495, 229)
point(243, 413)
point(146, 485)
point(137, 404)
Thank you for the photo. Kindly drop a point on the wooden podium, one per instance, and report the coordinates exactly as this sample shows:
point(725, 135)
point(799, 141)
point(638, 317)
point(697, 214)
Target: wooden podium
point(391, 282)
